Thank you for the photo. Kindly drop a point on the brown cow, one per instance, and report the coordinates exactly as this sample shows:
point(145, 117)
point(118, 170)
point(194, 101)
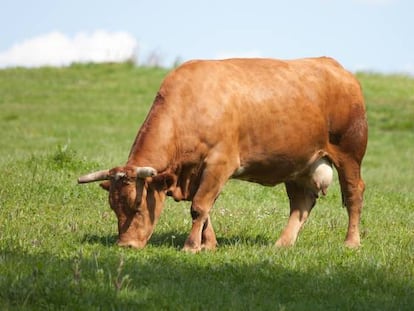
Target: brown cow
point(261, 120)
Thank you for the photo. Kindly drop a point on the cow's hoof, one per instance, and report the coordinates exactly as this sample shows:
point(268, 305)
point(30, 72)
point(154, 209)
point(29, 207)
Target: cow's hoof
point(191, 249)
point(208, 246)
point(353, 244)
point(281, 243)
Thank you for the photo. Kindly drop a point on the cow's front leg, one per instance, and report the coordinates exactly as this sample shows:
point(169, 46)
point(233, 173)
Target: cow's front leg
point(202, 235)
point(301, 202)
point(208, 237)
point(200, 224)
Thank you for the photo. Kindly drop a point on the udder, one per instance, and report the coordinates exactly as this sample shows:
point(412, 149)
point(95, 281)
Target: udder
point(320, 176)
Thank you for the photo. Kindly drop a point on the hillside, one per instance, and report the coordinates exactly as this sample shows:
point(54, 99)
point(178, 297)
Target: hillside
point(57, 238)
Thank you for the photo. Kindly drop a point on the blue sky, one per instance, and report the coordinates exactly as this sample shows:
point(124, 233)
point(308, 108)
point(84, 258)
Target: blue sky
point(375, 35)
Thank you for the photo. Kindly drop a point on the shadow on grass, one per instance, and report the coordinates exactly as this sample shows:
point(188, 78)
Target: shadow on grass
point(187, 282)
point(177, 239)
point(105, 240)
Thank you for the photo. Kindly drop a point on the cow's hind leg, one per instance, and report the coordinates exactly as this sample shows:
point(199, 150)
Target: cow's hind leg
point(352, 188)
point(348, 149)
point(301, 202)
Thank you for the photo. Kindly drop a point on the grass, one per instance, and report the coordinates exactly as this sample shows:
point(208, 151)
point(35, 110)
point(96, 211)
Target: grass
point(57, 239)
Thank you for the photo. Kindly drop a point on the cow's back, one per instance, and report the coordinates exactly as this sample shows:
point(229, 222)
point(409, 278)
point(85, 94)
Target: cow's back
point(260, 113)
point(254, 92)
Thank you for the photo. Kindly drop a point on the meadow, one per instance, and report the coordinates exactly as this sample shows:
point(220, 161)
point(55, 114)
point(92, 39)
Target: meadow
point(57, 238)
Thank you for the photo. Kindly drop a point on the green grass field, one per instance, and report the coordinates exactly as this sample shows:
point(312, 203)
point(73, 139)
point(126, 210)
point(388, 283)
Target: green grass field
point(57, 238)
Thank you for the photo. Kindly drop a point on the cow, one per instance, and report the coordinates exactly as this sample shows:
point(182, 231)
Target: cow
point(265, 121)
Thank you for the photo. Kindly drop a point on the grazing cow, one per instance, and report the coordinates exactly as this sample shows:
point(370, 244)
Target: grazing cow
point(260, 120)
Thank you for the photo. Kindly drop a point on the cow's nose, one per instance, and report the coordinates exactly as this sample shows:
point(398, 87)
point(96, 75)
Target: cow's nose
point(130, 243)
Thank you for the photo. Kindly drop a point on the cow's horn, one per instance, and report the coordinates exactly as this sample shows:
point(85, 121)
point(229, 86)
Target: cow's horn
point(95, 176)
point(145, 171)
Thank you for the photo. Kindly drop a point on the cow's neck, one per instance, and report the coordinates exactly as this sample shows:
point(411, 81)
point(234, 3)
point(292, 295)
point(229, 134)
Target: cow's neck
point(154, 145)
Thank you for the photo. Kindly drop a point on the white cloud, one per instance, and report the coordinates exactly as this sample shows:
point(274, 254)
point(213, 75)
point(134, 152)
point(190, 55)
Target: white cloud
point(57, 49)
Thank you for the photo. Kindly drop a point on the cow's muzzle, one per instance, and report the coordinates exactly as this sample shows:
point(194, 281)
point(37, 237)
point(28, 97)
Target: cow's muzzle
point(131, 244)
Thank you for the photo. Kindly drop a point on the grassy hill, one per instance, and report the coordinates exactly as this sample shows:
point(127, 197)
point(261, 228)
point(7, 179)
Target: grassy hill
point(57, 238)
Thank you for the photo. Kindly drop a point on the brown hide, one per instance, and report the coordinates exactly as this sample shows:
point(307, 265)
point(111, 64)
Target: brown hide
point(260, 120)
point(267, 119)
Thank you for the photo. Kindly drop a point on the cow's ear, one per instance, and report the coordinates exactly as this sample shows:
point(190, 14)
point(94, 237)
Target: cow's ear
point(162, 182)
point(105, 185)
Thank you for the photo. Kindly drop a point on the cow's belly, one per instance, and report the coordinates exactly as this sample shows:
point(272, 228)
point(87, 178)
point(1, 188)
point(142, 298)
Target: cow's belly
point(268, 174)
point(273, 169)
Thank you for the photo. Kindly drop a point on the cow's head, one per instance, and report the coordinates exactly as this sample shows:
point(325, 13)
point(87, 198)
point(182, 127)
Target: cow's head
point(136, 195)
